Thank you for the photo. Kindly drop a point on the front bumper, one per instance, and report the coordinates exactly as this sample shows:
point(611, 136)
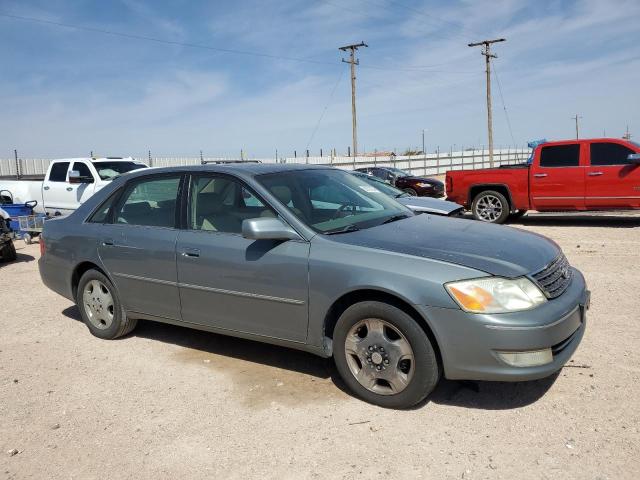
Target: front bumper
point(469, 342)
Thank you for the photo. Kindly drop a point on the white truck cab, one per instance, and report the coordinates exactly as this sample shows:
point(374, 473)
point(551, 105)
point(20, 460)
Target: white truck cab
point(69, 182)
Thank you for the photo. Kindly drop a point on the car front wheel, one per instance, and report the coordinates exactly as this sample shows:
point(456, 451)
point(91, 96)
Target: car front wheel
point(384, 356)
point(100, 307)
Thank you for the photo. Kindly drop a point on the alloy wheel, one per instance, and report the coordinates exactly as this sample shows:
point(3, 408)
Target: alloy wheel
point(489, 208)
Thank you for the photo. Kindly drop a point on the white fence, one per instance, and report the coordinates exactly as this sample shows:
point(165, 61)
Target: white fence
point(429, 164)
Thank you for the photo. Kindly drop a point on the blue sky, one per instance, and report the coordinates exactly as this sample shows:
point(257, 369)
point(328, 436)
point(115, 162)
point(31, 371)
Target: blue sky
point(64, 91)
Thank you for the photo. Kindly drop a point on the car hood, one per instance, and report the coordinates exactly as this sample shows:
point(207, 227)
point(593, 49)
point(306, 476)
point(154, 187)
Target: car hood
point(429, 205)
point(494, 249)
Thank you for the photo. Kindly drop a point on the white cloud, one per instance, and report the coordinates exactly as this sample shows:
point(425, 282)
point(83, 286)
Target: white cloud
point(557, 61)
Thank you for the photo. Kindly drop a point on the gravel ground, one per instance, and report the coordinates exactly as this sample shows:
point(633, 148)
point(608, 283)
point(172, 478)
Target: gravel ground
point(168, 402)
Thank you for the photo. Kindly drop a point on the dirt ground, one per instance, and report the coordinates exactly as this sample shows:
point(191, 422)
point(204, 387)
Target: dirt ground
point(168, 402)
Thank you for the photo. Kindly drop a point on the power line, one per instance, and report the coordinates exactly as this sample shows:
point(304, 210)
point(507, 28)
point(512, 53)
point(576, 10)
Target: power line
point(132, 36)
point(504, 106)
point(324, 110)
point(163, 41)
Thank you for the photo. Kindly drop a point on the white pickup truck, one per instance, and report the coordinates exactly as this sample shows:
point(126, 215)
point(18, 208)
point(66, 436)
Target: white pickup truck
point(68, 183)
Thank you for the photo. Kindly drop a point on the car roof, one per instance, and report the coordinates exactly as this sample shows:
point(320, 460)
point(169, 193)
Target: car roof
point(246, 169)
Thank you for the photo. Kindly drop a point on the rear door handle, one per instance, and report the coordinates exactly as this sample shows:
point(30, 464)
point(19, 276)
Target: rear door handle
point(539, 175)
point(107, 242)
point(69, 189)
point(45, 188)
point(594, 174)
point(191, 252)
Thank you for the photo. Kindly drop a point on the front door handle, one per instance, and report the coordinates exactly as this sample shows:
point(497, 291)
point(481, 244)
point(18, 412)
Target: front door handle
point(45, 188)
point(191, 253)
point(107, 242)
point(594, 174)
point(539, 175)
point(69, 189)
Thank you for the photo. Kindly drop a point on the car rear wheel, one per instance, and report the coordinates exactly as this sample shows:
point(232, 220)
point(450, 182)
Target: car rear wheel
point(384, 356)
point(100, 307)
point(490, 206)
point(410, 191)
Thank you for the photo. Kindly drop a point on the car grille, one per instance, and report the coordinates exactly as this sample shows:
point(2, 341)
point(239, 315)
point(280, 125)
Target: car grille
point(555, 277)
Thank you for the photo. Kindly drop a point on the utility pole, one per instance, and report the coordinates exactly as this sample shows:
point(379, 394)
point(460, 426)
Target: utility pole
point(577, 118)
point(424, 153)
point(627, 135)
point(353, 61)
point(486, 51)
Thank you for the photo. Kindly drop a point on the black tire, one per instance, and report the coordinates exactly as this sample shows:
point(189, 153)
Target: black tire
point(410, 191)
point(486, 215)
point(426, 371)
point(517, 214)
point(121, 324)
point(8, 252)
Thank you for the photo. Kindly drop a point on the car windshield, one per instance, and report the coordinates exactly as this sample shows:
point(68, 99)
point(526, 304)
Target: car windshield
point(383, 186)
point(399, 173)
point(109, 170)
point(332, 201)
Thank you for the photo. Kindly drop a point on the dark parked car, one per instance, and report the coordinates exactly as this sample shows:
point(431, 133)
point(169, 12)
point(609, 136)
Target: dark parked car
point(405, 181)
point(434, 206)
point(7, 249)
point(314, 258)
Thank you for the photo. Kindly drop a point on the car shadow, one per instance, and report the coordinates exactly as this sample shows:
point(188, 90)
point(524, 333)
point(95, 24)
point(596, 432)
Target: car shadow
point(490, 395)
point(573, 220)
point(232, 347)
point(20, 258)
point(465, 394)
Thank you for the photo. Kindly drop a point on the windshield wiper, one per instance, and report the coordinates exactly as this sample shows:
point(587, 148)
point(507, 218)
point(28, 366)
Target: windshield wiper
point(395, 218)
point(346, 229)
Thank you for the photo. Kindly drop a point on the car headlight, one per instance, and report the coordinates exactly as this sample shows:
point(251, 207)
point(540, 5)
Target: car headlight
point(496, 294)
point(424, 184)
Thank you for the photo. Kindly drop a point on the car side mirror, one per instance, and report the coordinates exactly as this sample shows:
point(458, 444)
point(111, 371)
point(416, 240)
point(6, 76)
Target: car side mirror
point(75, 177)
point(634, 158)
point(265, 228)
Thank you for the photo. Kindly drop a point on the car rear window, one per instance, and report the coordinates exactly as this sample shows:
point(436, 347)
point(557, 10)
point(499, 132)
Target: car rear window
point(59, 172)
point(560, 156)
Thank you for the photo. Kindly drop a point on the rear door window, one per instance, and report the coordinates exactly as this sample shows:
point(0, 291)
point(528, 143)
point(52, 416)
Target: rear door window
point(83, 170)
point(150, 202)
point(221, 204)
point(102, 213)
point(603, 154)
point(560, 156)
point(59, 172)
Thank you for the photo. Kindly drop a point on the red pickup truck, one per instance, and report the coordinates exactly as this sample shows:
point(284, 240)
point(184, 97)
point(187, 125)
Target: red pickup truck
point(593, 174)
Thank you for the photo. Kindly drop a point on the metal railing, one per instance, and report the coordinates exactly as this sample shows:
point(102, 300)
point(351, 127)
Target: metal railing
point(429, 164)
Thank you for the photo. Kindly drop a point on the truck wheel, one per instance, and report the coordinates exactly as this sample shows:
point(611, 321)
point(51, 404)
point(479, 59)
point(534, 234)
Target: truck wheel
point(490, 206)
point(8, 252)
point(517, 214)
point(27, 238)
point(100, 307)
point(384, 356)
